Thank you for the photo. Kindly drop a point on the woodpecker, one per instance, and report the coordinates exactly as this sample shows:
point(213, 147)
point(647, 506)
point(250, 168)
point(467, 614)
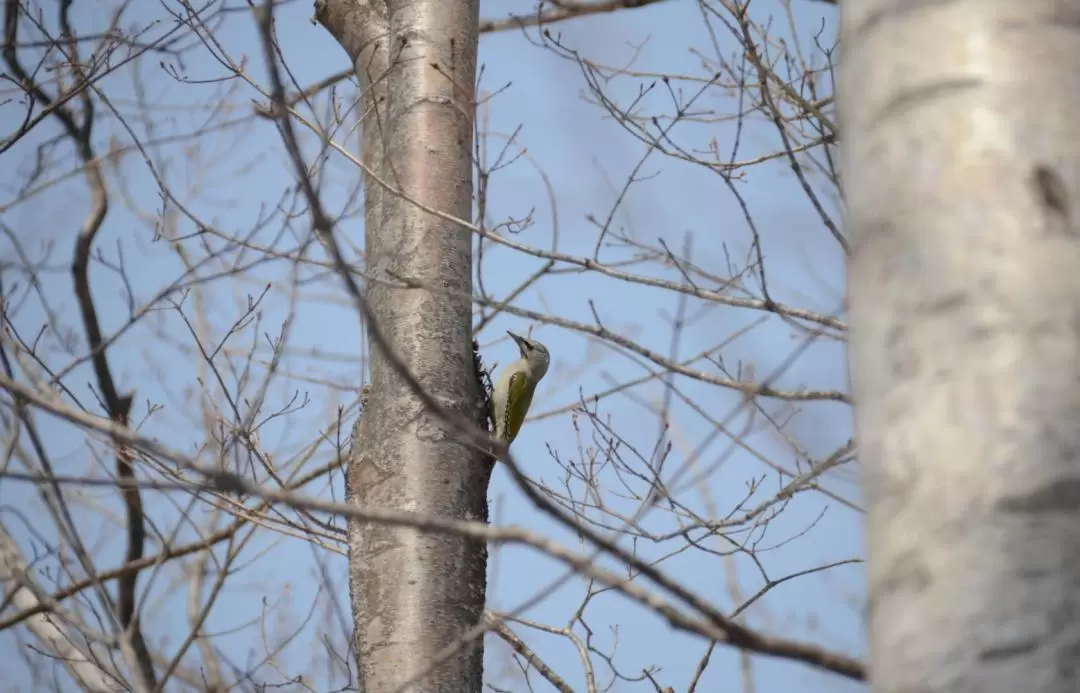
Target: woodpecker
point(514, 390)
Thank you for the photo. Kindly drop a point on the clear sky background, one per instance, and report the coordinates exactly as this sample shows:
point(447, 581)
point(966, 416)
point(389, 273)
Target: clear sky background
point(240, 173)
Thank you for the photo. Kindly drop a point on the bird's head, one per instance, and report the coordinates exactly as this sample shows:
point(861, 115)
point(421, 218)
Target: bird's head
point(534, 353)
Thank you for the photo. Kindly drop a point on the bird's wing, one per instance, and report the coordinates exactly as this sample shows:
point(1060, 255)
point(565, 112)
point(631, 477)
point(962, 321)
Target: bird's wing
point(517, 403)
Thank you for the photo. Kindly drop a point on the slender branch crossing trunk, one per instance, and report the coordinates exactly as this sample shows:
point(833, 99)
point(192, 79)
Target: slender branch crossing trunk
point(962, 171)
point(414, 594)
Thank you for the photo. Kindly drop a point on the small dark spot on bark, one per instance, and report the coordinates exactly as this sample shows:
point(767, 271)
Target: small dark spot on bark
point(896, 335)
point(1066, 660)
point(945, 304)
point(873, 231)
point(909, 100)
point(1034, 573)
point(1052, 194)
point(911, 575)
point(980, 333)
point(904, 364)
point(894, 11)
point(1063, 16)
point(1056, 497)
point(1008, 650)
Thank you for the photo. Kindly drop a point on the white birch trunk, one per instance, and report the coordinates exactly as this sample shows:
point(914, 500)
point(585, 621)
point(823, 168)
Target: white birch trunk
point(414, 594)
point(961, 127)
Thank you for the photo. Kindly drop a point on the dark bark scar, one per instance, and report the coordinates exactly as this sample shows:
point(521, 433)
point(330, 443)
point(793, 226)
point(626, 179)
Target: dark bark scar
point(1052, 194)
point(1059, 496)
point(1006, 651)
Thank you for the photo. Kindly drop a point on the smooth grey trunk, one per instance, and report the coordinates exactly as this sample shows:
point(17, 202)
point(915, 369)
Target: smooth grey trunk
point(961, 126)
point(414, 594)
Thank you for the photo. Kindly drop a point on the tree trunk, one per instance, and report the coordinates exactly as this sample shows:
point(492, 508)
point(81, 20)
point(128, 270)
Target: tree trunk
point(962, 173)
point(414, 594)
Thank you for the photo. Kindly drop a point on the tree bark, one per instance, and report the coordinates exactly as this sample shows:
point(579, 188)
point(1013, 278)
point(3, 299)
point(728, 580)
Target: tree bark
point(962, 171)
point(414, 594)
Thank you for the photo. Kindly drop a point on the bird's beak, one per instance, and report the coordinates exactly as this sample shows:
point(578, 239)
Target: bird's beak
point(521, 341)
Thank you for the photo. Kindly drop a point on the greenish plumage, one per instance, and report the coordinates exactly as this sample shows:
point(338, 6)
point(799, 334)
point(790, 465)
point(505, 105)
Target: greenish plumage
point(514, 389)
point(517, 405)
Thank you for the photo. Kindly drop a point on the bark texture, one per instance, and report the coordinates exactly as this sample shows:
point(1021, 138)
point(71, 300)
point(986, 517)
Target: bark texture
point(414, 594)
point(962, 175)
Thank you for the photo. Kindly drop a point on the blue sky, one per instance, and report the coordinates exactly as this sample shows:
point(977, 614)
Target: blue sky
point(242, 173)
